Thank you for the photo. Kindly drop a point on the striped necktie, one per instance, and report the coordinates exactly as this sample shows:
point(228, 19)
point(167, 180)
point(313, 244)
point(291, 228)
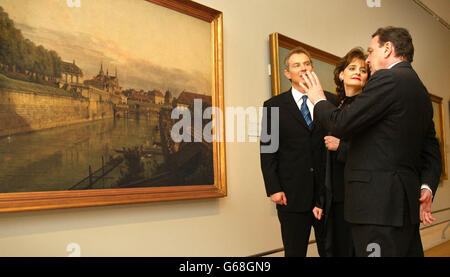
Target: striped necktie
point(305, 111)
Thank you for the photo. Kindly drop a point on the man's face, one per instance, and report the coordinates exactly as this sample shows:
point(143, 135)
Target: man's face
point(376, 58)
point(298, 65)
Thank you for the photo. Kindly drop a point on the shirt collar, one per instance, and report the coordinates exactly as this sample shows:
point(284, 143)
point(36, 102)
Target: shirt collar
point(392, 65)
point(297, 95)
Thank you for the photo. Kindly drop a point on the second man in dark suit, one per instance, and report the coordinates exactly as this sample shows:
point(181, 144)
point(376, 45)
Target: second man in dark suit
point(294, 173)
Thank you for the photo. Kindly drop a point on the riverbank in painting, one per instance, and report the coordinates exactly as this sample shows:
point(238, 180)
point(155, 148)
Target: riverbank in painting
point(43, 161)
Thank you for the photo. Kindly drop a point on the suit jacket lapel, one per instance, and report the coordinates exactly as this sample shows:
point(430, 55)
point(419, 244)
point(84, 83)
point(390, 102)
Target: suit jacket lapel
point(294, 110)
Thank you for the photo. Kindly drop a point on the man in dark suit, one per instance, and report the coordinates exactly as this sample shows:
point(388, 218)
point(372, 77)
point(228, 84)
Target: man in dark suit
point(294, 171)
point(393, 163)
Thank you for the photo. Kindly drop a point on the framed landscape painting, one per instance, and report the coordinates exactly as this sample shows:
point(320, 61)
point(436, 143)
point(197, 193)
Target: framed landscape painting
point(88, 97)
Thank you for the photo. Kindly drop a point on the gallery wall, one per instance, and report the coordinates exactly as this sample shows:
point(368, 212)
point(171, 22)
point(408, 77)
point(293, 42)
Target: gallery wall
point(245, 222)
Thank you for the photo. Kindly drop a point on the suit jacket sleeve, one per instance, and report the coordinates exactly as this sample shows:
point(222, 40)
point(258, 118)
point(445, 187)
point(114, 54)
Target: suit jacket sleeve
point(269, 159)
point(341, 152)
point(332, 98)
point(371, 105)
point(322, 193)
point(431, 160)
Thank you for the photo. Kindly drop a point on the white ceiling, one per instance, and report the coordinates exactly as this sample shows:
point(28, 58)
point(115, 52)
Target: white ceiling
point(440, 7)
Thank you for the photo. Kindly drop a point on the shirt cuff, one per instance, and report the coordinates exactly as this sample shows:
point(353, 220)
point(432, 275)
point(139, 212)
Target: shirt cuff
point(425, 186)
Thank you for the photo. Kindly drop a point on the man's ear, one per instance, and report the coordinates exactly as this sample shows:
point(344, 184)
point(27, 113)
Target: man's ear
point(388, 49)
point(287, 74)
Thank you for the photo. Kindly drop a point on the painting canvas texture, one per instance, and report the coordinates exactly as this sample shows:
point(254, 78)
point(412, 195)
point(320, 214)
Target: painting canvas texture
point(86, 95)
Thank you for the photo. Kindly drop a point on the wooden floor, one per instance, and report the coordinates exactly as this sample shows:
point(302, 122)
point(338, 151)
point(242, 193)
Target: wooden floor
point(442, 250)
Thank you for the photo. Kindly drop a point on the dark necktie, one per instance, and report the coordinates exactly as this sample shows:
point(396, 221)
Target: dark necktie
point(305, 111)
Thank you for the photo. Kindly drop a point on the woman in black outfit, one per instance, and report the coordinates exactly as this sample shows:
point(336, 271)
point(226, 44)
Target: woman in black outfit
point(350, 76)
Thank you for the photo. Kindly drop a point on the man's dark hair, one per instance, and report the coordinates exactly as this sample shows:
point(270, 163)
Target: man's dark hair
point(400, 38)
point(296, 50)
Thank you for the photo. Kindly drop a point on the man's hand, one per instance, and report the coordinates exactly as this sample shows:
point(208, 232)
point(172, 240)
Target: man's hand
point(332, 143)
point(313, 87)
point(279, 198)
point(425, 207)
point(318, 212)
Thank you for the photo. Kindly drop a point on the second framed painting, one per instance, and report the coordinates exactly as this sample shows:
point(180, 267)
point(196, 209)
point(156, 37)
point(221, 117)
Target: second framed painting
point(87, 100)
point(323, 62)
point(438, 119)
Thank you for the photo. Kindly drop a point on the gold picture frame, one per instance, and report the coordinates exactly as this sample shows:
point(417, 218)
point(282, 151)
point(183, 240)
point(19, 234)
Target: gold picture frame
point(58, 199)
point(438, 118)
point(280, 44)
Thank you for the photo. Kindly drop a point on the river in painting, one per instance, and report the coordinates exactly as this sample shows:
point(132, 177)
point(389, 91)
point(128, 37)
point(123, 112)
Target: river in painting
point(62, 158)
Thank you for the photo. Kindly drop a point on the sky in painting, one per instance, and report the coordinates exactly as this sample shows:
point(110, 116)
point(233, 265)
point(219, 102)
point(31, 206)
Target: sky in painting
point(152, 47)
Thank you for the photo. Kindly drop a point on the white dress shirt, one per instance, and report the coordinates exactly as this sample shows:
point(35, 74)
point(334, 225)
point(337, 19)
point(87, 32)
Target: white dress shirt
point(299, 100)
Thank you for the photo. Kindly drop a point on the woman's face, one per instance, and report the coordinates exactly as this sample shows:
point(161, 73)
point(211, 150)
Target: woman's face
point(355, 74)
